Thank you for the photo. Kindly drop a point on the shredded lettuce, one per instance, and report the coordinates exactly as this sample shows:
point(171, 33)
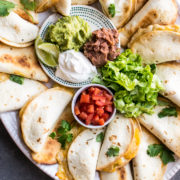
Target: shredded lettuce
point(135, 86)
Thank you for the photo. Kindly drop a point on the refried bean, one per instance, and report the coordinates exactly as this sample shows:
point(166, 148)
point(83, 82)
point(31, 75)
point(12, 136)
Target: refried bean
point(102, 46)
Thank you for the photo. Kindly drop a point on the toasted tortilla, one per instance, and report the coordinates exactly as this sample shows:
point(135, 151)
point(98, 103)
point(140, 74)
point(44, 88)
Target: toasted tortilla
point(13, 96)
point(124, 10)
point(63, 7)
point(144, 166)
point(123, 173)
point(22, 62)
point(28, 15)
point(43, 5)
point(82, 2)
point(16, 31)
point(169, 73)
point(41, 115)
point(123, 133)
point(166, 38)
point(83, 155)
point(153, 12)
point(166, 129)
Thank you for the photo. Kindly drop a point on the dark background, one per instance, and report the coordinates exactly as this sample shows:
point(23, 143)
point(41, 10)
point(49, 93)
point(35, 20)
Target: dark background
point(15, 166)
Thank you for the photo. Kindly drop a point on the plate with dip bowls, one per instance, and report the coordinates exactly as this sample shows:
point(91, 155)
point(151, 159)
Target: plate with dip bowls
point(93, 17)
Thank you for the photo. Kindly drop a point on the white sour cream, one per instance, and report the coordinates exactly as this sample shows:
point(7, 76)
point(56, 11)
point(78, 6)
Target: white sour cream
point(74, 67)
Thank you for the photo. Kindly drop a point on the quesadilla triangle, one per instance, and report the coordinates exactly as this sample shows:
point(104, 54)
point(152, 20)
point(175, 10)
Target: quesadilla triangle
point(166, 38)
point(122, 137)
point(22, 62)
point(166, 128)
point(124, 10)
point(16, 31)
point(153, 12)
point(28, 15)
point(144, 166)
point(83, 154)
point(41, 115)
point(123, 173)
point(169, 73)
point(13, 95)
point(82, 2)
point(63, 7)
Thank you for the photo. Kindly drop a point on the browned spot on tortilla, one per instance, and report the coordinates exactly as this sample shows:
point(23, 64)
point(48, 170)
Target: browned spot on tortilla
point(39, 120)
point(18, 99)
point(113, 137)
point(118, 144)
point(128, 128)
point(170, 93)
point(166, 81)
point(122, 173)
point(16, 28)
point(38, 140)
point(23, 61)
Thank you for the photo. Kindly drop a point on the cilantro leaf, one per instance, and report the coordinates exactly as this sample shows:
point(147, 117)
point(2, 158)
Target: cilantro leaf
point(113, 151)
point(66, 125)
point(17, 79)
point(170, 111)
point(5, 7)
point(158, 149)
point(153, 68)
point(162, 103)
point(28, 4)
point(100, 137)
point(112, 10)
point(65, 138)
point(52, 135)
point(69, 137)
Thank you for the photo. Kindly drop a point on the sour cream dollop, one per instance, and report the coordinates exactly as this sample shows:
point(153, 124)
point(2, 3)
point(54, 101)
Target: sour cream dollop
point(74, 67)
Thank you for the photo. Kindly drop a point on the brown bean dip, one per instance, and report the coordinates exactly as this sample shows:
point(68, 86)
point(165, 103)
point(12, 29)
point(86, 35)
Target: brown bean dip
point(102, 46)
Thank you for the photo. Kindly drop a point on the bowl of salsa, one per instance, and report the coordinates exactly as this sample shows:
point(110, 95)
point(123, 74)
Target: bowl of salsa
point(93, 106)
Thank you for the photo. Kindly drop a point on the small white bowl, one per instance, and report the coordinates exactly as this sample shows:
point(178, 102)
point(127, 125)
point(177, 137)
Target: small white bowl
point(75, 100)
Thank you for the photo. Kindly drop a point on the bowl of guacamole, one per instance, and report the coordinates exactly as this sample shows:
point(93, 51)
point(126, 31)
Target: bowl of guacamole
point(69, 32)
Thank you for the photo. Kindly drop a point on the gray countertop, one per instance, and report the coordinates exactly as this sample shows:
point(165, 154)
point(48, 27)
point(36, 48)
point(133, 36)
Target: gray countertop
point(15, 166)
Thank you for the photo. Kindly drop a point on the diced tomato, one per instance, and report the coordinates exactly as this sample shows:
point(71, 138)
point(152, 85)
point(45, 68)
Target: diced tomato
point(96, 118)
point(109, 108)
point(99, 103)
point(77, 110)
point(91, 90)
point(108, 102)
point(90, 108)
point(83, 116)
point(97, 91)
point(108, 96)
point(100, 111)
point(89, 119)
point(105, 116)
point(98, 98)
point(85, 98)
point(101, 121)
point(83, 107)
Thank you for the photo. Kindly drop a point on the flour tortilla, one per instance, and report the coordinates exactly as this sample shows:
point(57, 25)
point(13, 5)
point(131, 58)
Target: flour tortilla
point(124, 10)
point(22, 62)
point(63, 7)
point(82, 2)
point(153, 12)
point(16, 31)
point(13, 96)
point(144, 166)
point(166, 129)
point(123, 173)
point(28, 15)
point(41, 115)
point(169, 73)
point(140, 4)
point(83, 155)
point(123, 133)
point(166, 38)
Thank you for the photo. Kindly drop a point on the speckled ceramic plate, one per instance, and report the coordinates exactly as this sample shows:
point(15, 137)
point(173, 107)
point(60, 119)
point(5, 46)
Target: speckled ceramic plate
point(95, 19)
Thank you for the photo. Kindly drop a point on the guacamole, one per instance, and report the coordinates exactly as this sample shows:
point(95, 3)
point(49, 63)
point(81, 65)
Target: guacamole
point(69, 32)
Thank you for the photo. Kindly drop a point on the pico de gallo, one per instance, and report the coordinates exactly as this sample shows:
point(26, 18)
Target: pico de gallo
point(94, 106)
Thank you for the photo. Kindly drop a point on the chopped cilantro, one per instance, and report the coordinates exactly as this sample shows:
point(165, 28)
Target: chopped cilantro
point(169, 111)
point(100, 137)
point(17, 79)
point(52, 135)
point(158, 149)
point(113, 151)
point(28, 4)
point(5, 7)
point(112, 10)
point(162, 103)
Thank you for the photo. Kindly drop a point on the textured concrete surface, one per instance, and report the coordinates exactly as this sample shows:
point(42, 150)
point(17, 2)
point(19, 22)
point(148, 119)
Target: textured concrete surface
point(15, 166)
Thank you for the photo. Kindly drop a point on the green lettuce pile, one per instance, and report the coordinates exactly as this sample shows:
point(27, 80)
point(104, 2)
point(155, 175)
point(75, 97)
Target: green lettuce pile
point(135, 86)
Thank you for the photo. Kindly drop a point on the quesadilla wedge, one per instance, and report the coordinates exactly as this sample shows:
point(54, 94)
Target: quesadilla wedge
point(123, 173)
point(83, 154)
point(13, 95)
point(123, 137)
point(164, 128)
point(16, 31)
point(43, 5)
point(166, 38)
point(82, 2)
point(22, 62)
point(169, 73)
point(40, 116)
point(153, 12)
point(63, 7)
point(144, 166)
point(124, 9)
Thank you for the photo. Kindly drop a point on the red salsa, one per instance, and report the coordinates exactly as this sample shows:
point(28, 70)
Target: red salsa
point(94, 106)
